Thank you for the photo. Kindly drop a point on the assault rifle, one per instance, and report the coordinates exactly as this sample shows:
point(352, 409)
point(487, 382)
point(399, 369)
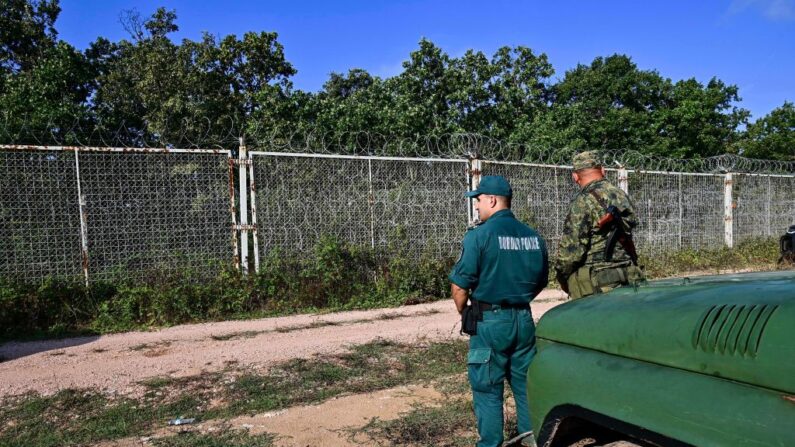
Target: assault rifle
point(614, 221)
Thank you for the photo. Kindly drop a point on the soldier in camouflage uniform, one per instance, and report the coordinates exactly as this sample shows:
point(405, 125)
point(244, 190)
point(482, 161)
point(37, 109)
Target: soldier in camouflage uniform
point(581, 266)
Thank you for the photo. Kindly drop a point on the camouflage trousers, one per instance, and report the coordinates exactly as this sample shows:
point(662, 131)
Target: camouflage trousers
point(591, 279)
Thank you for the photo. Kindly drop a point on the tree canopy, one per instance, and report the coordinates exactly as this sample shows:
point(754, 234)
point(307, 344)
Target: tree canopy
point(150, 88)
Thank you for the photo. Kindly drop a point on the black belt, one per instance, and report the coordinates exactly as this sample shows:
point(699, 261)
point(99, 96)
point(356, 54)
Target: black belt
point(489, 306)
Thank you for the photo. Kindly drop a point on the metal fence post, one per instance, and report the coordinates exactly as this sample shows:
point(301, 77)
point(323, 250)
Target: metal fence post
point(252, 186)
point(768, 202)
point(557, 205)
point(81, 200)
point(242, 157)
point(623, 179)
point(233, 211)
point(681, 211)
point(474, 172)
point(728, 226)
point(371, 202)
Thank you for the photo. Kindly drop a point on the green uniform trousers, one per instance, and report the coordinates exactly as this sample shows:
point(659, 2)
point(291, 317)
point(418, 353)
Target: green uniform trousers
point(502, 349)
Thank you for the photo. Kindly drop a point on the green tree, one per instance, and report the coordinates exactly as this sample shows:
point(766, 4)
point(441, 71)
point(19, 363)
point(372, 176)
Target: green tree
point(520, 90)
point(48, 102)
point(45, 84)
point(438, 94)
point(27, 32)
point(196, 92)
point(772, 136)
point(607, 104)
point(611, 104)
point(698, 120)
point(420, 103)
point(351, 103)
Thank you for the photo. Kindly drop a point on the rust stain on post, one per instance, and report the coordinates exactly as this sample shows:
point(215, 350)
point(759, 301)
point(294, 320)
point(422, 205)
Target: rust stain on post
point(233, 210)
point(84, 248)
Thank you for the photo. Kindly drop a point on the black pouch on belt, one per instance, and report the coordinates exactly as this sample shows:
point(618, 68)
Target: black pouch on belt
point(470, 317)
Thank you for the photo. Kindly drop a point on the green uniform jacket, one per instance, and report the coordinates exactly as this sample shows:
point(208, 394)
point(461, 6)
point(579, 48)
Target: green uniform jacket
point(582, 242)
point(503, 261)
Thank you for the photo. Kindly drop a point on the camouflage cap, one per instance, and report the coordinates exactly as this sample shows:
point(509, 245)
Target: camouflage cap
point(585, 160)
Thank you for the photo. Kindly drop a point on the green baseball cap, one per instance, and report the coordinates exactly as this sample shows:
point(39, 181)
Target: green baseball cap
point(495, 185)
point(585, 160)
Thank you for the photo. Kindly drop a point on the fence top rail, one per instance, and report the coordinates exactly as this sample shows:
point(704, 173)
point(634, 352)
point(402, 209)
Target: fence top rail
point(356, 157)
point(764, 175)
point(521, 163)
point(637, 171)
point(686, 174)
point(609, 169)
point(709, 174)
point(138, 150)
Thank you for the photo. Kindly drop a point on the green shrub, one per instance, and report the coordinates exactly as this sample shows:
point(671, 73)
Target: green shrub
point(336, 276)
point(751, 254)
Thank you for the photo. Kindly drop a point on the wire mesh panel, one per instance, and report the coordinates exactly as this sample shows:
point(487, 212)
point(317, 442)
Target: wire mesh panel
point(541, 196)
point(677, 210)
point(301, 199)
point(419, 206)
point(39, 216)
point(660, 208)
point(156, 211)
point(782, 204)
point(751, 215)
point(406, 205)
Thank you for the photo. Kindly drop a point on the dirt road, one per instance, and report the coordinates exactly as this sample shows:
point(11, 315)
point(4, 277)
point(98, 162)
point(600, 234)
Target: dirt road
point(116, 363)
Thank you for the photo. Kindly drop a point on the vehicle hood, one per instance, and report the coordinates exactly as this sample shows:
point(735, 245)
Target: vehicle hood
point(740, 327)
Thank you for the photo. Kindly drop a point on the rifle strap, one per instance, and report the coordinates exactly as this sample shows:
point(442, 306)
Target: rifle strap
point(599, 200)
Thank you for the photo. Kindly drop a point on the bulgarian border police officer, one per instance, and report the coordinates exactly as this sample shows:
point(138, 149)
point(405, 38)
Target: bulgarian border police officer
point(596, 251)
point(503, 266)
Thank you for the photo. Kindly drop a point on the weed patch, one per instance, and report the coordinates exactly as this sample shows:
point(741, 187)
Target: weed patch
point(78, 417)
point(157, 382)
point(236, 335)
point(372, 366)
point(447, 423)
point(752, 254)
point(150, 346)
point(227, 438)
point(312, 325)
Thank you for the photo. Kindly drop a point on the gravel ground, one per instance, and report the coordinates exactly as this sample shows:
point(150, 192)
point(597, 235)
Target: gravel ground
point(116, 363)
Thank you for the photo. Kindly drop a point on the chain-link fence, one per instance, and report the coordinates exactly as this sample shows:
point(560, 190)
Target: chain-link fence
point(112, 213)
point(39, 219)
point(386, 203)
point(120, 213)
point(383, 203)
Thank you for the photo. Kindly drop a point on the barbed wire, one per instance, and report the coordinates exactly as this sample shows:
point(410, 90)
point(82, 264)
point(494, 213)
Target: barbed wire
point(221, 133)
point(226, 133)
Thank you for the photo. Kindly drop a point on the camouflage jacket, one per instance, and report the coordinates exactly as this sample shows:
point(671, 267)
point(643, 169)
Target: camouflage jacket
point(582, 242)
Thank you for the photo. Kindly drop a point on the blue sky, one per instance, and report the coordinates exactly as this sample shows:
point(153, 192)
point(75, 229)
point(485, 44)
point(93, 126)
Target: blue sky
point(749, 43)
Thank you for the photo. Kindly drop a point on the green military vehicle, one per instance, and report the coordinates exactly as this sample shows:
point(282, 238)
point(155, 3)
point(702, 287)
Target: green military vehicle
point(707, 361)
